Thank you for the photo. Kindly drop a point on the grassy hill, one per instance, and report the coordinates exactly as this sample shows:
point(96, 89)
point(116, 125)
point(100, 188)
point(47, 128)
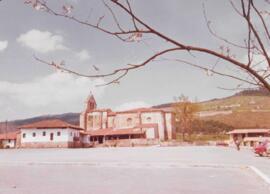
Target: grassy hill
point(243, 119)
point(72, 118)
point(242, 110)
point(238, 104)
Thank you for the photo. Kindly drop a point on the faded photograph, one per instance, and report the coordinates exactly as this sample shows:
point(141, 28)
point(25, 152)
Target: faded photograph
point(134, 97)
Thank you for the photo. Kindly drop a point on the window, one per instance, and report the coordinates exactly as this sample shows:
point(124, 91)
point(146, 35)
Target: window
point(34, 134)
point(23, 135)
point(44, 133)
point(58, 133)
point(71, 134)
point(148, 119)
point(9, 141)
point(129, 121)
point(51, 136)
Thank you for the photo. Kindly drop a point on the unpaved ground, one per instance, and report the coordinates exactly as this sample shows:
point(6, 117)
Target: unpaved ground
point(159, 170)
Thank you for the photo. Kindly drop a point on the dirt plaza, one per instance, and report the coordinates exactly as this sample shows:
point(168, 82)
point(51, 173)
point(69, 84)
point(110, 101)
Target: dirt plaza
point(187, 169)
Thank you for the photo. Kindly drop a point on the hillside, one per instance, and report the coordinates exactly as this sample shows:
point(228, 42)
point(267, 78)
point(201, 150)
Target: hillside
point(240, 111)
point(243, 119)
point(238, 103)
point(243, 110)
point(72, 118)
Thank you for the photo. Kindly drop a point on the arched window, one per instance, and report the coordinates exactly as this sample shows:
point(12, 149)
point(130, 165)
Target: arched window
point(129, 121)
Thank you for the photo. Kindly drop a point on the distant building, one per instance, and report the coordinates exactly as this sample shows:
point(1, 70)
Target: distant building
point(49, 134)
point(9, 140)
point(249, 137)
point(144, 123)
point(141, 126)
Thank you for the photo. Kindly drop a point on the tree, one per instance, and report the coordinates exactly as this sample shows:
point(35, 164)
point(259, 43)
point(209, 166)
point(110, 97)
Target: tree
point(255, 44)
point(185, 112)
point(210, 127)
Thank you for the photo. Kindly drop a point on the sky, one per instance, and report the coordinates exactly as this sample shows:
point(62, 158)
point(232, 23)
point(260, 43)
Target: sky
point(29, 88)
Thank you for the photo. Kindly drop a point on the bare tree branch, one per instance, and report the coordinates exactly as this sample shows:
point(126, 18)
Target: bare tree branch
point(254, 44)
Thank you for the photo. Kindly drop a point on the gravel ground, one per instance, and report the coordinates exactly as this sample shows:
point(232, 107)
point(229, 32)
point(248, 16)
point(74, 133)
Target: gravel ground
point(159, 170)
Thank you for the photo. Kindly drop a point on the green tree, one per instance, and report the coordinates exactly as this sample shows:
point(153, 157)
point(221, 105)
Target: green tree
point(207, 127)
point(185, 114)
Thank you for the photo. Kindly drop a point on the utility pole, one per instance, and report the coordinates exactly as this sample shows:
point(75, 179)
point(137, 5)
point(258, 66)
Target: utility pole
point(6, 125)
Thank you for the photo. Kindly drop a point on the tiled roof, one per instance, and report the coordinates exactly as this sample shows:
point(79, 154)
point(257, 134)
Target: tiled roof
point(49, 124)
point(9, 135)
point(111, 114)
point(237, 131)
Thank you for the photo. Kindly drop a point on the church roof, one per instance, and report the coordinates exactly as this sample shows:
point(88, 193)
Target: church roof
point(50, 124)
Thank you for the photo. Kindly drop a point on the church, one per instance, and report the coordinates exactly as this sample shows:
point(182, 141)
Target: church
point(98, 127)
point(142, 124)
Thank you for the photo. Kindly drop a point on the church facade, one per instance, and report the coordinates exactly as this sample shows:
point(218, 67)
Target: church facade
point(102, 125)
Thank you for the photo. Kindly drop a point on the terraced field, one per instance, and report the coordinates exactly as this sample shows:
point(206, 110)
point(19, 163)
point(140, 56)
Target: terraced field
point(239, 111)
point(238, 104)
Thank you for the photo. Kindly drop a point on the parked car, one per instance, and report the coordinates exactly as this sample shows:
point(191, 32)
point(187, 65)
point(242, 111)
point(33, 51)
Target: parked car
point(263, 148)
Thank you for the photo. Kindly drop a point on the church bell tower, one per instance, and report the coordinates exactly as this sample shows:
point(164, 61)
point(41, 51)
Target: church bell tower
point(91, 103)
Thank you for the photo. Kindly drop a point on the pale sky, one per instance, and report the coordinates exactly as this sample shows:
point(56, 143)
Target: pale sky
point(29, 88)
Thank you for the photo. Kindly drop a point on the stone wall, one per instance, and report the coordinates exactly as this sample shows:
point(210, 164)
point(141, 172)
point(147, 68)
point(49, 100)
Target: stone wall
point(47, 145)
point(129, 142)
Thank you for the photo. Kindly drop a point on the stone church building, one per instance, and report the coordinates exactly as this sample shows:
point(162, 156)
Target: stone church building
point(102, 125)
point(143, 126)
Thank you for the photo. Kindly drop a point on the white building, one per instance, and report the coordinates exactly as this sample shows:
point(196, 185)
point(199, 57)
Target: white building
point(249, 137)
point(48, 134)
point(9, 140)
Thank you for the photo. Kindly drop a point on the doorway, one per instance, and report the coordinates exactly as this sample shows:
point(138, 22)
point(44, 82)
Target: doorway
point(51, 136)
point(100, 139)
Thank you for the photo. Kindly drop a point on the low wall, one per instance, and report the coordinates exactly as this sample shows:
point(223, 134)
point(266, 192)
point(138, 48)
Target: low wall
point(130, 142)
point(48, 145)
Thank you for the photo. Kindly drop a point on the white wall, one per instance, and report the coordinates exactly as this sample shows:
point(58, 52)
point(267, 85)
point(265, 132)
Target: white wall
point(110, 121)
point(65, 136)
point(156, 117)
point(82, 118)
point(96, 122)
point(104, 120)
point(168, 117)
point(85, 139)
point(121, 120)
point(150, 133)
